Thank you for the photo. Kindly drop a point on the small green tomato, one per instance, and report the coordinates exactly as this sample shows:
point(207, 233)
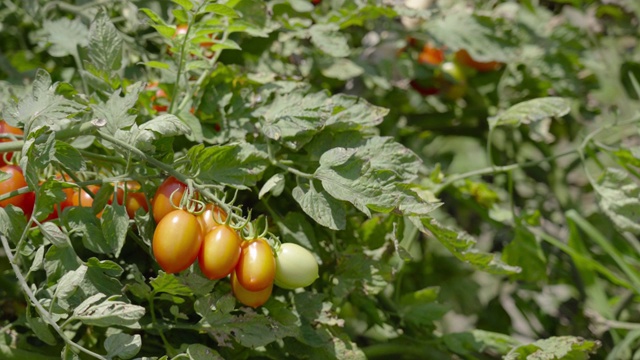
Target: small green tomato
point(295, 267)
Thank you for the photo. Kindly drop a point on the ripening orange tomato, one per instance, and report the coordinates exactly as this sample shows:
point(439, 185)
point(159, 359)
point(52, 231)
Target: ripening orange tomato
point(209, 218)
point(431, 55)
point(247, 297)
point(177, 241)
point(220, 252)
point(6, 129)
point(256, 269)
point(463, 57)
point(16, 182)
point(135, 198)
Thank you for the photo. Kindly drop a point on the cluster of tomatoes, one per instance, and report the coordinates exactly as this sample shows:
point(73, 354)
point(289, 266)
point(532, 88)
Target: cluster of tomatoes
point(449, 70)
point(181, 237)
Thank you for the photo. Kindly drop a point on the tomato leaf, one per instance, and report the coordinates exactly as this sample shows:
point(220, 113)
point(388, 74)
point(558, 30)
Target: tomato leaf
point(238, 165)
point(557, 347)
point(275, 185)
point(461, 246)
point(122, 345)
point(532, 113)
point(40, 327)
point(525, 252)
point(198, 351)
point(220, 9)
point(42, 106)
point(116, 111)
point(320, 206)
point(478, 341)
point(618, 197)
point(105, 44)
point(327, 38)
point(64, 36)
point(96, 310)
point(169, 284)
point(165, 125)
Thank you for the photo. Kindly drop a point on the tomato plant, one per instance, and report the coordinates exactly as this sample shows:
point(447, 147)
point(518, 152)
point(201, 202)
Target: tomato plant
point(163, 202)
point(247, 297)
point(256, 269)
point(463, 57)
point(295, 267)
point(16, 181)
point(177, 241)
point(431, 55)
point(220, 252)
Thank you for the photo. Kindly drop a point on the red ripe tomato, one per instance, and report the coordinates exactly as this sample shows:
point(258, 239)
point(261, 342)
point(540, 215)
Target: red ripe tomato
point(208, 219)
point(463, 57)
point(6, 129)
point(256, 269)
point(220, 252)
point(15, 182)
point(431, 55)
point(247, 297)
point(160, 99)
point(135, 198)
point(177, 241)
point(160, 203)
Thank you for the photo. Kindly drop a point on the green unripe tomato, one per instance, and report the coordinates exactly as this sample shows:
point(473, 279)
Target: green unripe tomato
point(296, 267)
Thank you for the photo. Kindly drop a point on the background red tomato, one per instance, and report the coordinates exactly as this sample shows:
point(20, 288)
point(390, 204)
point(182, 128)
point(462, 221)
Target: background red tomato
point(463, 57)
point(135, 199)
point(15, 182)
point(177, 241)
point(256, 268)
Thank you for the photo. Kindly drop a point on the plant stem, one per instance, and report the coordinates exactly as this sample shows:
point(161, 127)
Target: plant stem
point(498, 169)
point(294, 171)
point(85, 128)
point(41, 310)
point(167, 345)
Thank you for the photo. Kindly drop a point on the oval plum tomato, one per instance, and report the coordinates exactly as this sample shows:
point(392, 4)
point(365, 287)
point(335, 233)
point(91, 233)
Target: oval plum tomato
point(295, 267)
point(463, 57)
point(249, 298)
point(160, 203)
point(6, 129)
point(15, 182)
point(256, 268)
point(208, 219)
point(82, 198)
point(177, 241)
point(220, 252)
point(135, 198)
point(431, 55)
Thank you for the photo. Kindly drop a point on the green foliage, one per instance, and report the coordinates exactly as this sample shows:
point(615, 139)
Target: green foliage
point(494, 215)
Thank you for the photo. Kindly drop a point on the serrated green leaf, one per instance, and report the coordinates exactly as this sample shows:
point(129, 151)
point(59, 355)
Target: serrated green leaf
point(153, 16)
point(42, 106)
point(275, 185)
point(327, 38)
point(461, 246)
point(123, 346)
point(116, 110)
point(165, 125)
point(186, 4)
point(531, 112)
point(354, 113)
point(321, 207)
point(358, 272)
point(201, 352)
point(105, 44)
point(619, 199)
point(342, 69)
point(59, 261)
point(67, 155)
point(54, 235)
point(40, 328)
point(239, 165)
point(169, 283)
point(65, 36)
point(479, 341)
point(220, 9)
point(114, 225)
point(157, 65)
point(525, 252)
point(98, 311)
point(555, 348)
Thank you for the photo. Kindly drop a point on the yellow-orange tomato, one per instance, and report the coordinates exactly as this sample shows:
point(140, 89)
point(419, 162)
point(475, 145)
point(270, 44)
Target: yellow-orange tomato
point(6, 129)
point(220, 252)
point(431, 55)
point(249, 298)
point(256, 269)
point(177, 241)
point(208, 219)
point(135, 198)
